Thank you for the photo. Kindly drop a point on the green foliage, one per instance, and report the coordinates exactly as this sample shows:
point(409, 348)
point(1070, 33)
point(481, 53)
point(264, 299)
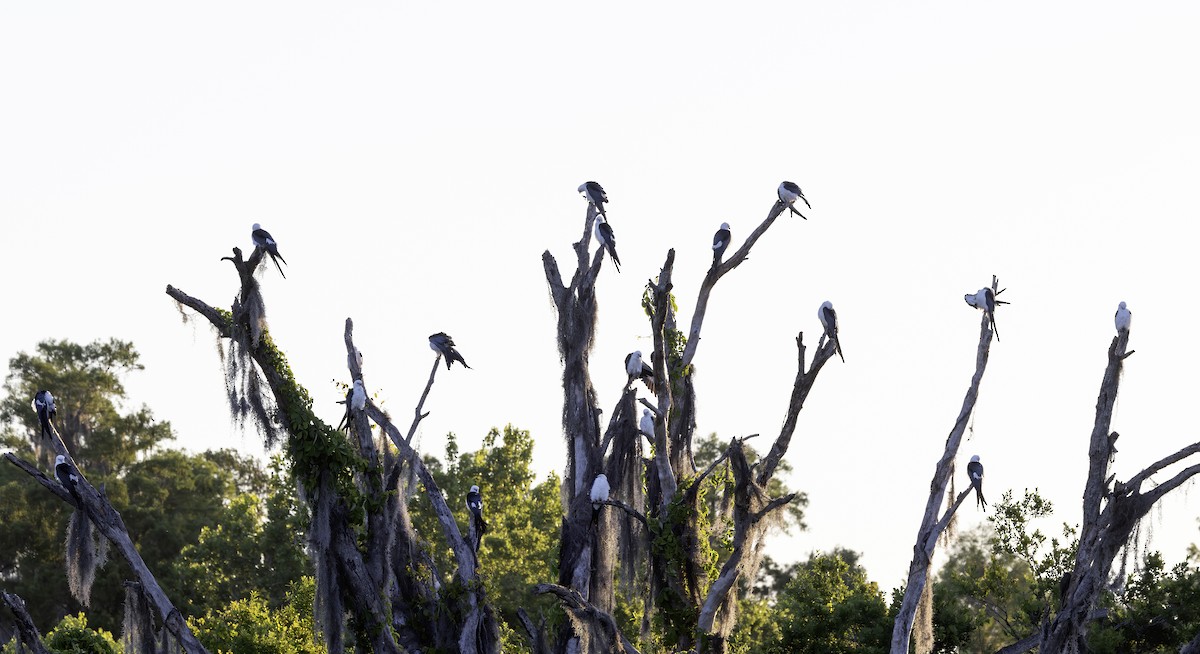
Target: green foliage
point(250, 626)
point(709, 448)
point(73, 636)
point(521, 547)
point(1158, 610)
point(86, 383)
point(830, 607)
point(252, 546)
point(314, 447)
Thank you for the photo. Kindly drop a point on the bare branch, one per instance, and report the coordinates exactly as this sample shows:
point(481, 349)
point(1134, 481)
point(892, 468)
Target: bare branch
point(27, 633)
point(109, 523)
point(417, 415)
point(215, 317)
point(597, 624)
point(627, 509)
point(716, 273)
point(800, 390)
point(918, 571)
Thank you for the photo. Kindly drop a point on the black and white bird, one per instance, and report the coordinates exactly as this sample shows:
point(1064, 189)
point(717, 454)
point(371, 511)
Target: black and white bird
point(595, 195)
point(475, 506)
point(646, 425)
point(262, 239)
point(1122, 318)
point(636, 368)
point(789, 192)
point(985, 300)
point(720, 243)
point(828, 319)
point(43, 405)
point(604, 236)
point(356, 400)
point(67, 477)
point(599, 494)
point(975, 472)
point(444, 345)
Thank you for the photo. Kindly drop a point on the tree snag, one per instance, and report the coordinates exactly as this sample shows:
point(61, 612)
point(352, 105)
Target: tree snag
point(931, 525)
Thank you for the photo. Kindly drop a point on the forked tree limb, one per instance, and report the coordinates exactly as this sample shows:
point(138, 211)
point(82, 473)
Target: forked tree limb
point(931, 525)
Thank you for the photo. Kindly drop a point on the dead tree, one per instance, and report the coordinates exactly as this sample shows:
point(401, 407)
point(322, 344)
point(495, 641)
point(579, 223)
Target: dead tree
point(97, 509)
point(932, 525)
point(27, 634)
point(696, 600)
point(369, 561)
point(1111, 511)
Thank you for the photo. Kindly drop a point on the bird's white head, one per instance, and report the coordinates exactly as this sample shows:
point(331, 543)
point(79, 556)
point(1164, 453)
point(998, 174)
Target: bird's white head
point(358, 384)
point(583, 187)
point(1121, 306)
point(255, 227)
point(725, 226)
point(975, 458)
point(59, 460)
point(474, 489)
point(826, 305)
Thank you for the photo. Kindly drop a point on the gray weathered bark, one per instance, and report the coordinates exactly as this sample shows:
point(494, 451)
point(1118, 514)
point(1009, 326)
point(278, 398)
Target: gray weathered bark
point(931, 525)
point(109, 523)
point(1111, 511)
point(27, 633)
point(379, 584)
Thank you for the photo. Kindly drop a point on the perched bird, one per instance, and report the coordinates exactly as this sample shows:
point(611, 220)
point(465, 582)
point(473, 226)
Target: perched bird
point(356, 400)
point(595, 195)
point(43, 405)
point(1122, 318)
point(636, 368)
point(262, 239)
point(475, 505)
point(720, 242)
point(604, 236)
point(646, 425)
point(600, 490)
point(67, 477)
point(975, 472)
point(444, 345)
point(985, 300)
point(828, 319)
point(789, 192)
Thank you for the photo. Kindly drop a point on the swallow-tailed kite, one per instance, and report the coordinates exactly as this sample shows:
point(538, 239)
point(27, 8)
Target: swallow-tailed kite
point(636, 368)
point(1122, 318)
point(356, 400)
point(646, 426)
point(975, 472)
point(43, 404)
point(604, 236)
point(595, 195)
point(67, 477)
point(789, 192)
point(599, 494)
point(262, 239)
point(475, 505)
point(444, 345)
point(828, 319)
point(985, 300)
point(720, 242)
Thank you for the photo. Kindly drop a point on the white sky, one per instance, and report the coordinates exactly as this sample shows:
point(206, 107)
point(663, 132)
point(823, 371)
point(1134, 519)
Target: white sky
point(414, 160)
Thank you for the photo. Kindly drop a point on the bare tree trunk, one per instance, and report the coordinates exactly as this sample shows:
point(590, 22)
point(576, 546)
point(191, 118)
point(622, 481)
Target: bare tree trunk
point(931, 525)
point(325, 463)
point(1111, 510)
